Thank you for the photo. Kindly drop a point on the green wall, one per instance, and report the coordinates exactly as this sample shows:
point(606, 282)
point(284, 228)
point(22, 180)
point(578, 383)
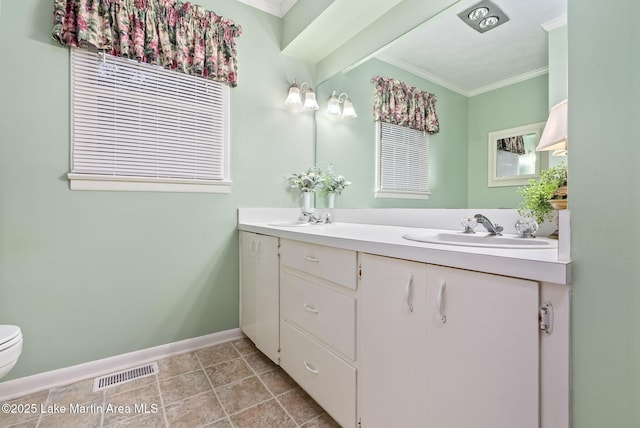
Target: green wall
point(88, 275)
point(522, 103)
point(350, 144)
point(604, 94)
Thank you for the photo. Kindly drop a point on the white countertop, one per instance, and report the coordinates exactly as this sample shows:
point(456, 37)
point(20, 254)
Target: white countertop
point(386, 240)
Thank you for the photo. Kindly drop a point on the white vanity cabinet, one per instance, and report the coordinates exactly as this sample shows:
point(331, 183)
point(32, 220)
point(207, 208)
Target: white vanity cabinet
point(318, 324)
point(259, 292)
point(392, 317)
point(446, 347)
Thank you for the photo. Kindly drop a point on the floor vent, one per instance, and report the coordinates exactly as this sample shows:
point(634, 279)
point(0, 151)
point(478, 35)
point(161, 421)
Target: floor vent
point(124, 376)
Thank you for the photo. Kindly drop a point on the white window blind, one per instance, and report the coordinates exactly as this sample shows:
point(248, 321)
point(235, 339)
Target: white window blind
point(136, 126)
point(402, 162)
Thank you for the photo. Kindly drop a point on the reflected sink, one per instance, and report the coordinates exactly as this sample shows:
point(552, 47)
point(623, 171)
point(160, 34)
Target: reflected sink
point(483, 240)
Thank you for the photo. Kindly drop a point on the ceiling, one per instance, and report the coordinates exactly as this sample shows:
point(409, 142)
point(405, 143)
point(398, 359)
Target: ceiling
point(448, 52)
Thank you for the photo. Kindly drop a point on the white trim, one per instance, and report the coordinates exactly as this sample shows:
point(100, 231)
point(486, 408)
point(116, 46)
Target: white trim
point(510, 81)
point(401, 195)
point(28, 385)
point(448, 85)
point(422, 73)
point(269, 6)
point(558, 22)
point(108, 182)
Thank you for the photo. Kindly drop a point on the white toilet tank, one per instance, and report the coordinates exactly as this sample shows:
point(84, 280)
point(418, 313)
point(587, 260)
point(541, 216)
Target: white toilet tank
point(10, 347)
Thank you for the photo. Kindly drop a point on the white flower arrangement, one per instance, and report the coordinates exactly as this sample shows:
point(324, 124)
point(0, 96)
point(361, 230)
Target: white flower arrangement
point(312, 180)
point(334, 183)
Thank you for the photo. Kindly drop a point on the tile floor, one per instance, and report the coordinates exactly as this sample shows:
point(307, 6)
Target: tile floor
point(224, 386)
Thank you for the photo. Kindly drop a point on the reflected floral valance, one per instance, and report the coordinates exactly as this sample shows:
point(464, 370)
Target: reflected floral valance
point(512, 145)
point(169, 33)
point(400, 104)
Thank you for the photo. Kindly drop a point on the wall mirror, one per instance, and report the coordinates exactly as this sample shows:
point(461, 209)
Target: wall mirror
point(513, 159)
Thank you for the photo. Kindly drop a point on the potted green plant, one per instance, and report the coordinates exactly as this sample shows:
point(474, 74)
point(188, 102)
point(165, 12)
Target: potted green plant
point(540, 195)
point(308, 182)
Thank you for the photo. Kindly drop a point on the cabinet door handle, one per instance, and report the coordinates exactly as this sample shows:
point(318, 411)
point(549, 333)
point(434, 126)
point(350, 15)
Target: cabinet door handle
point(311, 309)
point(310, 368)
point(408, 293)
point(311, 259)
point(252, 248)
point(258, 249)
point(443, 317)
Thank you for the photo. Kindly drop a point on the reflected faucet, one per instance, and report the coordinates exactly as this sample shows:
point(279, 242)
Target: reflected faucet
point(491, 228)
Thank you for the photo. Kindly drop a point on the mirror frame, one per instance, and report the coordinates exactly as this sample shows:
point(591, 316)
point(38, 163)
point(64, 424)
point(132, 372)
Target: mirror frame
point(514, 180)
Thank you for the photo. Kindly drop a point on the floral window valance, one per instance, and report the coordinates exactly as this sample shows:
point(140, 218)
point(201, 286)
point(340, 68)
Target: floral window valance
point(512, 145)
point(400, 104)
point(169, 33)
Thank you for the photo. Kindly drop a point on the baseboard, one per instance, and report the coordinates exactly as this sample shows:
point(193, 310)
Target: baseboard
point(30, 384)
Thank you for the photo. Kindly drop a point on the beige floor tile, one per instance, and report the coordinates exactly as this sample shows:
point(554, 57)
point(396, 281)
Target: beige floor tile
point(277, 381)
point(72, 418)
point(76, 393)
point(241, 395)
point(140, 421)
point(322, 421)
point(217, 354)
point(300, 406)
point(222, 423)
point(228, 372)
point(194, 412)
point(184, 386)
point(267, 414)
point(177, 365)
point(245, 346)
point(260, 362)
point(134, 403)
point(23, 409)
point(28, 424)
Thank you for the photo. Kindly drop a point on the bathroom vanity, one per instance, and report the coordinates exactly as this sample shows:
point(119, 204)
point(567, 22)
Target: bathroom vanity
point(384, 331)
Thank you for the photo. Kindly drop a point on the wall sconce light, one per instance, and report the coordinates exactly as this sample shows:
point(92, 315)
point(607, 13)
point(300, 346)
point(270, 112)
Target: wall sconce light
point(554, 136)
point(296, 93)
point(333, 106)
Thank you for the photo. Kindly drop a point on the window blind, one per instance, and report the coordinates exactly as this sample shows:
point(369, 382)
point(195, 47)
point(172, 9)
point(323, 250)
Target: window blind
point(403, 162)
point(139, 122)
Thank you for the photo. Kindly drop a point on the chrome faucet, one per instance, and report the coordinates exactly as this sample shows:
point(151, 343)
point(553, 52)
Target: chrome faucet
point(314, 219)
point(491, 228)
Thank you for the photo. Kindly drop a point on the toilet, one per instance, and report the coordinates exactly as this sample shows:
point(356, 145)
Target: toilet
point(10, 347)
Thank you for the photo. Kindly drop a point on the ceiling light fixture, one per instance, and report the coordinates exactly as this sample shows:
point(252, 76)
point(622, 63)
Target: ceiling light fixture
point(333, 106)
point(483, 16)
point(294, 98)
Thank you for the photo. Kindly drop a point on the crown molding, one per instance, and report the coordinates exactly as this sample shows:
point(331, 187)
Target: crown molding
point(278, 8)
point(560, 21)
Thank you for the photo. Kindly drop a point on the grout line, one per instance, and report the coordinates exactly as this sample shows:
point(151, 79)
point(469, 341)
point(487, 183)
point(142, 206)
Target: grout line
point(224, 410)
point(164, 413)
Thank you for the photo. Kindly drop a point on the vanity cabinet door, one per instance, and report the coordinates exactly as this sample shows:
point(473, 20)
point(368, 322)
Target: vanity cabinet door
point(259, 292)
point(392, 317)
point(482, 355)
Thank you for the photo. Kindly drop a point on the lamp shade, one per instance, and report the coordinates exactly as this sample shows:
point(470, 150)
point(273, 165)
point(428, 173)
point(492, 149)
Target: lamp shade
point(310, 102)
point(294, 98)
point(348, 112)
point(554, 136)
point(333, 105)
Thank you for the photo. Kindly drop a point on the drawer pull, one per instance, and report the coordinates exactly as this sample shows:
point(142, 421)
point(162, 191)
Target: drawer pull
point(409, 292)
point(310, 368)
point(443, 317)
point(311, 259)
point(311, 309)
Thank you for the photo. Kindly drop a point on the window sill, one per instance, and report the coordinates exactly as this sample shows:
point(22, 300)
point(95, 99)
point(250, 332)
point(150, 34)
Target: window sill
point(141, 184)
point(390, 194)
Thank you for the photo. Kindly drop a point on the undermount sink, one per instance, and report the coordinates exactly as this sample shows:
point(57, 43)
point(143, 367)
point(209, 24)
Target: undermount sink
point(483, 240)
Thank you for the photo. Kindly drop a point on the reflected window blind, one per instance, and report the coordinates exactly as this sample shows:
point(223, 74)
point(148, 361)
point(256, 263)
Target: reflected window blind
point(132, 119)
point(403, 159)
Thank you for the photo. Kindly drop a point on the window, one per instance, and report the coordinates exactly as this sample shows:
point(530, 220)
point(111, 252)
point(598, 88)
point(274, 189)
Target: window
point(402, 169)
point(136, 126)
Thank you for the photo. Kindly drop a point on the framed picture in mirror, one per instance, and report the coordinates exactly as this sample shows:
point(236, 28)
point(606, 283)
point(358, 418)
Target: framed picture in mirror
point(513, 159)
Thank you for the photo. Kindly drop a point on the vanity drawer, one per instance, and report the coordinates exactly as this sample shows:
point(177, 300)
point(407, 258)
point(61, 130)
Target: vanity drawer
point(326, 377)
point(328, 315)
point(333, 264)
